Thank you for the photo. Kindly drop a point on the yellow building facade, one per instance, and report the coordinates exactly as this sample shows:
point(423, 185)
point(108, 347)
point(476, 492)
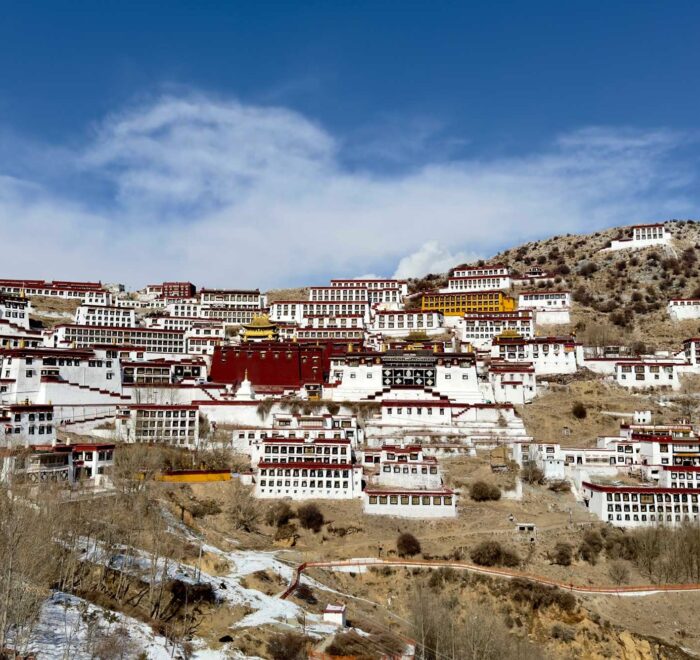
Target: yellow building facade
point(459, 303)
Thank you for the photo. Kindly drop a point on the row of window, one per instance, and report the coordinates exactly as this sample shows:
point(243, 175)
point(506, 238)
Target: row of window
point(413, 470)
point(167, 413)
point(419, 411)
point(42, 430)
point(328, 485)
point(425, 500)
point(305, 472)
point(305, 449)
point(643, 517)
point(648, 498)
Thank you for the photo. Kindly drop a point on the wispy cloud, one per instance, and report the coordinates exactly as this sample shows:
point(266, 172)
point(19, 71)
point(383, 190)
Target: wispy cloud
point(225, 193)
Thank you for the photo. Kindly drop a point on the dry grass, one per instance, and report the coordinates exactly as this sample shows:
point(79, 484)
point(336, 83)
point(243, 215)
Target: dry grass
point(547, 417)
point(300, 293)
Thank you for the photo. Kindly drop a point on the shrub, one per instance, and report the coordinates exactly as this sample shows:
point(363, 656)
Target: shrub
point(278, 514)
point(332, 407)
point(310, 517)
point(564, 633)
point(539, 595)
point(578, 410)
point(509, 558)
point(287, 646)
point(560, 486)
point(305, 593)
point(618, 545)
point(407, 545)
point(481, 491)
point(591, 546)
point(618, 572)
point(587, 269)
point(562, 554)
point(532, 474)
point(492, 553)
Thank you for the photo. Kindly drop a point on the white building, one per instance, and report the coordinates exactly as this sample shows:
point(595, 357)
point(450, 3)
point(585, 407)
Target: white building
point(152, 340)
point(400, 323)
point(679, 477)
point(296, 311)
point(643, 373)
point(492, 270)
point(477, 283)
point(92, 291)
point(105, 315)
point(159, 424)
point(639, 506)
point(61, 376)
point(400, 466)
point(203, 338)
point(300, 477)
point(549, 355)
point(232, 297)
point(406, 503)
point(479, 328)
point(23, 425)
point(335, 614)
point(393, 374)
point(512, 383)
point(15, 311)
point(683, 309)
point(338, 294)
point(642, 236)
point(551, 307)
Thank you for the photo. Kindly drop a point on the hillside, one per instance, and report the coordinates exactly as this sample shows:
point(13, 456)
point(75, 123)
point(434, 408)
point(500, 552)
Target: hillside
point(618, 296)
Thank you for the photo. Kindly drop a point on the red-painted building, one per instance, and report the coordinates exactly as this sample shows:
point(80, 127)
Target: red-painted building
point(178, 290)
point(276, 366)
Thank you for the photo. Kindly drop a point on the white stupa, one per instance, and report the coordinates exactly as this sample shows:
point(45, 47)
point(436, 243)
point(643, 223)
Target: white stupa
point(245, 391)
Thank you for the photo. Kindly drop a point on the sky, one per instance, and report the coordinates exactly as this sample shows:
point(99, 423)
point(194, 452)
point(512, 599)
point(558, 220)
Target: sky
point(277, 144)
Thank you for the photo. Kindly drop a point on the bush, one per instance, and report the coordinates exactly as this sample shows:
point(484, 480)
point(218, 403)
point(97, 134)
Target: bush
point(560, 486)
point(287, 646)
point(562, 554)
point(539, 595)
point(578, 410)
point(310, 517)
point(564, 633)
point(591, 546)
point(492, 553)
point(304, 592)
point(481, 491)
point(407, 545)
point(618, 572)
point(278, 514)
point(532, 474)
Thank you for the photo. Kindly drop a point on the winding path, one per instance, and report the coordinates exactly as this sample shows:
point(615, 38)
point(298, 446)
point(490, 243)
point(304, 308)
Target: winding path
point(635, 591)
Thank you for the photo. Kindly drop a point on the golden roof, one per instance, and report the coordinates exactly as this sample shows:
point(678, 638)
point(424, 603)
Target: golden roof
point(262, 321)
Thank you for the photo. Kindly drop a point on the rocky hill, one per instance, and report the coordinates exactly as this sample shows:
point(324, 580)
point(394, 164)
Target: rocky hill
point(618, 296)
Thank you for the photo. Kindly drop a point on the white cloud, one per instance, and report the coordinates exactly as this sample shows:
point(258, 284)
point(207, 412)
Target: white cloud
point(431, 257)
point(224, 193)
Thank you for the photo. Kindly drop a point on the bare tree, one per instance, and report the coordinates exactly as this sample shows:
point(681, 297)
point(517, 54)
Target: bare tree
point(618, 571)
point(244, 509)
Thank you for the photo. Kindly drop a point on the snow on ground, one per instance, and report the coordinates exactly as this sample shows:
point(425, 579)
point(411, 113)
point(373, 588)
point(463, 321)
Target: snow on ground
point(71, 627)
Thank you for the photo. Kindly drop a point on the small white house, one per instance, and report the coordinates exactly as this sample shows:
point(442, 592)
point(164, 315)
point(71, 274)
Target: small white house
point(642, 236)
point(335, 614)
point(410, 503)
point(683, 309)
point(635, 374)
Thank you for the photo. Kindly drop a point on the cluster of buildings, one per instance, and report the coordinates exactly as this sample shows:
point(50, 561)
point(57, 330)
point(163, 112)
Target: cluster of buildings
point(354, 391)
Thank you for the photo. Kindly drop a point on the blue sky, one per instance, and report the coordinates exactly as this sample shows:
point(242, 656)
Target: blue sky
point(153, 140)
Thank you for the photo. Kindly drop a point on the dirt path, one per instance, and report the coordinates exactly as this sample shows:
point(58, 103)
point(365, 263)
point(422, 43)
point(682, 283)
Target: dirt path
point(637, 591)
